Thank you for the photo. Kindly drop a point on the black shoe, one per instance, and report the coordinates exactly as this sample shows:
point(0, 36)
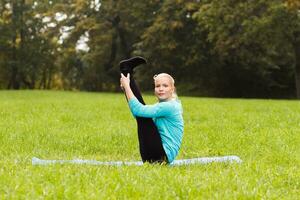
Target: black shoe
point(127, 66)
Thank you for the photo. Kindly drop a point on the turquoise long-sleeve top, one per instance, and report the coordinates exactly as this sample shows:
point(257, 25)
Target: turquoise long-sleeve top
point(167, 116)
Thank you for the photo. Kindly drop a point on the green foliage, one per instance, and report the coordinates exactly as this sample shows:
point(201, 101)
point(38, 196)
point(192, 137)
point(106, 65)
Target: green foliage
point(70, 125)
point(212, 48)
point(175, 44)
point(254, 38)
point(27, 54)
point(112, 31)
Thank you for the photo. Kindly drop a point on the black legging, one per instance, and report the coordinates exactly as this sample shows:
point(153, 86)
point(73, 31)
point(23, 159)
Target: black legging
point(151, 148)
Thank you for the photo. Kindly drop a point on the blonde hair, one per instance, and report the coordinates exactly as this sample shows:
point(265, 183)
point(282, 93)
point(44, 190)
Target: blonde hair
point(172, 81)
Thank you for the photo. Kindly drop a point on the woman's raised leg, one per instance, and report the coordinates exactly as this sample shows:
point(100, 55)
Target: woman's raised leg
point(150, 143)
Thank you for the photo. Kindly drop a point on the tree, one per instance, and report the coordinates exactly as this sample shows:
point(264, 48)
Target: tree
point(253, 37)
point(111, 30)
point(26, 50)
point(174, 44)
point(293, 7)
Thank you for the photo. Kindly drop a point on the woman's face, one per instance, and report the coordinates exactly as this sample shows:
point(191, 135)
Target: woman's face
point(163, 88)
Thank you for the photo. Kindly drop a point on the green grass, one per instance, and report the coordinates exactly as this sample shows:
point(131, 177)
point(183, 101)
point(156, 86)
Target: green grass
point(265, 134)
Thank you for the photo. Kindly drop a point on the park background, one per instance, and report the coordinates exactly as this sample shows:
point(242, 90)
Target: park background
point(244, 52)
point(212, 48)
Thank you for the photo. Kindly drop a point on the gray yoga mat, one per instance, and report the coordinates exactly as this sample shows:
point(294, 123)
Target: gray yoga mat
point(202, 160)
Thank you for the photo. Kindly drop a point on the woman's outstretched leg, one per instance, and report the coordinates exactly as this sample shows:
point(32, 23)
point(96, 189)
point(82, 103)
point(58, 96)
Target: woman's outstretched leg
point(150, 144)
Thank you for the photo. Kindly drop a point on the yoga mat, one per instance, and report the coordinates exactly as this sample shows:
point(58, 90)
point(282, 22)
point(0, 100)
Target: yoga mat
point(203, 160)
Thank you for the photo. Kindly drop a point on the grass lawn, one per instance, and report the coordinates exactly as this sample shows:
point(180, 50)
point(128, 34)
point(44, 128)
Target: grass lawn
point(265, 134)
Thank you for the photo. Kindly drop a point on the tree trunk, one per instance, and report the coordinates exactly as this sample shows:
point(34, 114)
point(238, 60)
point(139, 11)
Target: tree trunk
point(297, 68)
point(18, 27)
point(296, 44)
point(21, 64)
point(43, 80)
point(113, 52)
point(13, 81)
point(49, 79)
point(124, 45)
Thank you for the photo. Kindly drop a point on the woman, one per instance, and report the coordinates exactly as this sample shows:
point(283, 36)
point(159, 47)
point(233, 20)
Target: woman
point(160, 126)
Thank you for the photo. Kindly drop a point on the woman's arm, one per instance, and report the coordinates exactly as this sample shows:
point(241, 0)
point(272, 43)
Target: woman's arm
point(150, 111)
point(125, 84)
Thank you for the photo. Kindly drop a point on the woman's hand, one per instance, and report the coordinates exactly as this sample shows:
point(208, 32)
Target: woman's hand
point(125, 81)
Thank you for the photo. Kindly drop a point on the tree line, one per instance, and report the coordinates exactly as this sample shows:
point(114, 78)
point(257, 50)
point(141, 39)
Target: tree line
point(228, 48)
